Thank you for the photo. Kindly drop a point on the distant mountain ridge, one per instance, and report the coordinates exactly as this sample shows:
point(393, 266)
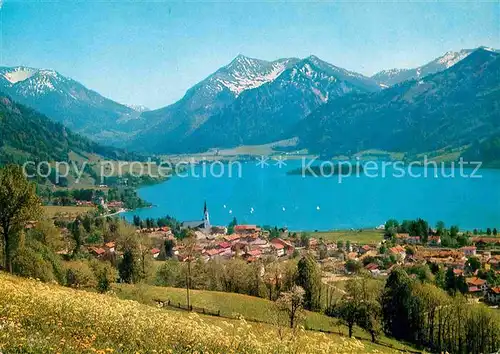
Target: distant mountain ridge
point(69, 102)
point(391, 77)
point(454, 107)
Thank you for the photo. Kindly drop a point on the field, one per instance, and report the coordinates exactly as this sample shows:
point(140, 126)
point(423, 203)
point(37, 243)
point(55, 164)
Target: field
point(44, 318)
point(234, 305)
point(365, 236)
point(244, 150)
point(66, 211)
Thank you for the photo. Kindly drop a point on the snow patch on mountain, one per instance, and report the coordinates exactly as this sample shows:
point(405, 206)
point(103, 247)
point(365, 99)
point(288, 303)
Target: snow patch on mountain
point(18, 74)
point(31, 82)
point(246, 73)
point(138, 107)
point(451, 58)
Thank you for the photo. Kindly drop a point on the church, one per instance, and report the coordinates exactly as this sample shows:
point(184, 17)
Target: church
point(202, 225)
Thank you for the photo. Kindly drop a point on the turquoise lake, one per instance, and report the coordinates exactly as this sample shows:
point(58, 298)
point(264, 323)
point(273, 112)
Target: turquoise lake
point(268, 196)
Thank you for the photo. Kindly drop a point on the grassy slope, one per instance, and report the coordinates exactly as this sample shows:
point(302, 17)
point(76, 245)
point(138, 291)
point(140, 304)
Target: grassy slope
point(70, 211)
point(232, 305)
point(39, 318)
point(365, 236)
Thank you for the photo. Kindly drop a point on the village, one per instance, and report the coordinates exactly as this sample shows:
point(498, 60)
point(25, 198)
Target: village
point(338, 261)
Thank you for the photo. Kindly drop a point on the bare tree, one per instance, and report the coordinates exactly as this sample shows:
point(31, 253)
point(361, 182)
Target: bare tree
point(292, 303)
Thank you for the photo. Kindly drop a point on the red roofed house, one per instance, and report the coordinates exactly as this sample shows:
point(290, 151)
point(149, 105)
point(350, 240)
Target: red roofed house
point(434, 240)
point(246, 229)
point(364, 249)
point(155, 252)
point(252, 254)
point(398, 250)
point(282, 247)
point(110, 246)
point(213, 252)
point(372, 268)
point(97, 251)
point(478, 283)
point(224, 245)
point(413, 240)
point(493, 295)
point(232, 238)
point(402, 238)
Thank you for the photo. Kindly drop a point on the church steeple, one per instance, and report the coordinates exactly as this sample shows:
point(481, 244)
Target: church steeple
point(206, 217)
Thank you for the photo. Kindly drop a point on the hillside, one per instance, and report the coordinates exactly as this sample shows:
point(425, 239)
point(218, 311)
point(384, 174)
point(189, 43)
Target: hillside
point(232, 305)
point(40, 317)
point(451, 108)
point(28, 135)
point(69, 102)
point(487, 151)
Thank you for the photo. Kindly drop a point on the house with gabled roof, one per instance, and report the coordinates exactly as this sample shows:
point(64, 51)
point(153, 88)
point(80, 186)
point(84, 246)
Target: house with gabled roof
point(493, 295)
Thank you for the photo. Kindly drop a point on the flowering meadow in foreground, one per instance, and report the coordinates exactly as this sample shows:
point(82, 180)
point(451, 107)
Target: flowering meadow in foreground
point(36, 317)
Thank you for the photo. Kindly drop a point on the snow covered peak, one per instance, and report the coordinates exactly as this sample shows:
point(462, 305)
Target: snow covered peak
point(451, 58)
point(18, 74)
point(244, 73)
point(30, 81)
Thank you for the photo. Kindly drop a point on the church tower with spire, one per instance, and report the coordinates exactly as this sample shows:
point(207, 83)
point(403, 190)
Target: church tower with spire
point(206, 217)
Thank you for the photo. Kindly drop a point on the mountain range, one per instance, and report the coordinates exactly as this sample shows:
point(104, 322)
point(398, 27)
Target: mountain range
point(387, 78)
point(451, 108)
point(252, 101)
point(69, 102)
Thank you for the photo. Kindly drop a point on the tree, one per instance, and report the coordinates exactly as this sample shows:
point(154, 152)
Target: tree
point(309, 278)
point(189, 253)
point(370, 318)
point(391, 227)
point(18, 205)
point(77, 234)
point(473, 264)
point(230, 227)
point(352, 266)
point(359, 305)
point(347, 312)
point(304, 239)
point(137, 220)
point(410, 250)
point(397, 304)
point(292, 303)
point(488, 231)
point(340, 245)
point(440, 228)
point(167, 251)
point(495, 232)
point(127, 267)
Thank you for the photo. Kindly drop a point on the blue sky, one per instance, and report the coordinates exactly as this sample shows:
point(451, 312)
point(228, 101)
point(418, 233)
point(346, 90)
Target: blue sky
point(151, 52)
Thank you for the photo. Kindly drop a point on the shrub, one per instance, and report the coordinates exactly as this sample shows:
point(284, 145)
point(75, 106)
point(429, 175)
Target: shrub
point(80, 275)
point(29, 263)
point(104, 273)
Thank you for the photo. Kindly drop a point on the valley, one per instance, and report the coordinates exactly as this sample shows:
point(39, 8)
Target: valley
point(249, 177)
